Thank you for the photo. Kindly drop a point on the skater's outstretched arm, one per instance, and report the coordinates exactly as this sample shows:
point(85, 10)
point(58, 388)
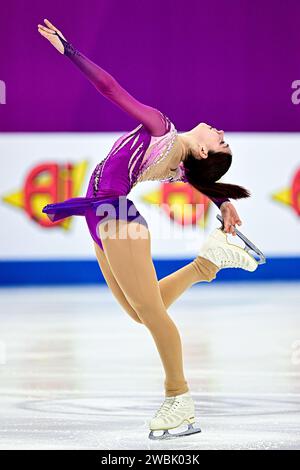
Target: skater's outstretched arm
point(155, 122)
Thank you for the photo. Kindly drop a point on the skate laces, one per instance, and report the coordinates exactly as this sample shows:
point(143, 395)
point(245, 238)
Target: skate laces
point(169, 405)
point(229, 256)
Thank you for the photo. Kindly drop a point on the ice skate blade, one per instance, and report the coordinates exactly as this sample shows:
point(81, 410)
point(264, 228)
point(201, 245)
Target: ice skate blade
point(249, 246)
point(167, 435)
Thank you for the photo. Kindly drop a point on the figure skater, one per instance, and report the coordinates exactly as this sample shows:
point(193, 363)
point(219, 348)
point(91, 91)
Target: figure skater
point(154, 150)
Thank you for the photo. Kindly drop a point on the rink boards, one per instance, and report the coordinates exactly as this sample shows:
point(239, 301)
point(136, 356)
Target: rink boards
point(42, 168)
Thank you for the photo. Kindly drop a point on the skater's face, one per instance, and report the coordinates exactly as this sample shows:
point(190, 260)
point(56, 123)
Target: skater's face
point(210, 138)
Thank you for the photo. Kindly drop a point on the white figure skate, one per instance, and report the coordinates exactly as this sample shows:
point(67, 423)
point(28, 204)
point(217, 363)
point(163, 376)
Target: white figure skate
point(219, 251)
point(175, 412)
point(249, 246)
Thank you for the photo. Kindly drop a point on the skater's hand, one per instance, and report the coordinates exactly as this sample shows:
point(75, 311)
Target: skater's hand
point(230, 217)
point(48, 32)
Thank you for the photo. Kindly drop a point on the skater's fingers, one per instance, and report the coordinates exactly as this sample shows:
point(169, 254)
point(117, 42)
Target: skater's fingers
point(47, 30)
point(226, 227)
point(50, 25)
point(232, 230)
point(46, 35)
point(54, 29)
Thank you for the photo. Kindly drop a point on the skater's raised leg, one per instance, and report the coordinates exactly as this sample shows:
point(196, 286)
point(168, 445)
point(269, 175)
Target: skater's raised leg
point(171, 286)
point(216, 253)
point(176, 283)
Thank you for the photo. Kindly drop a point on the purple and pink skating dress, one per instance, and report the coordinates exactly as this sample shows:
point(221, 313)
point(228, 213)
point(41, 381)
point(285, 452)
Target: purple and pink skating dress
point(139, 155)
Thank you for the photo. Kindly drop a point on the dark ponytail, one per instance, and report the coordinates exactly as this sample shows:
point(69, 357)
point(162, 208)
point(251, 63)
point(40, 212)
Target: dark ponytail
point(203, 175)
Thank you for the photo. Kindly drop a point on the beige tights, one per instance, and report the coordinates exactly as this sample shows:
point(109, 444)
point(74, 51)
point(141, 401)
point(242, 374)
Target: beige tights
point(129, 271)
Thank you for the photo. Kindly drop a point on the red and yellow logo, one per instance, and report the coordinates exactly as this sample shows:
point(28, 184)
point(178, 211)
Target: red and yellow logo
point(290, 196)
point(181, 202)
point(48, 183)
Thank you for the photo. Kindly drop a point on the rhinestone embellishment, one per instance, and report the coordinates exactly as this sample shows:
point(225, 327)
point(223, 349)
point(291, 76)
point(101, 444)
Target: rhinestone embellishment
point(161, 158)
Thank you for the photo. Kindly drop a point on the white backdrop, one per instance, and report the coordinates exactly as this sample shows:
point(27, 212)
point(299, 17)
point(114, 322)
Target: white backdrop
point(264, 163)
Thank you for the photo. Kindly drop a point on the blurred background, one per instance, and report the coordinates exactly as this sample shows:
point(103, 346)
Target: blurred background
point(233, 64)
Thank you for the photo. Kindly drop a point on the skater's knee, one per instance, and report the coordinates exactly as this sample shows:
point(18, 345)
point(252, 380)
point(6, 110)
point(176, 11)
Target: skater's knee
point(143, 306)
point(145, 315)
point(132, 313)
point(137, 319)
point(149, 314)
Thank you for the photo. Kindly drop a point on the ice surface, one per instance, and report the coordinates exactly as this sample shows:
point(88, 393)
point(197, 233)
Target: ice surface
point(76, 372)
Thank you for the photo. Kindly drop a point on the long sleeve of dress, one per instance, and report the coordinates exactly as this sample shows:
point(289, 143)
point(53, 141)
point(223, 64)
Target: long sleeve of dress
point(218, 202)
point(154, 121)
